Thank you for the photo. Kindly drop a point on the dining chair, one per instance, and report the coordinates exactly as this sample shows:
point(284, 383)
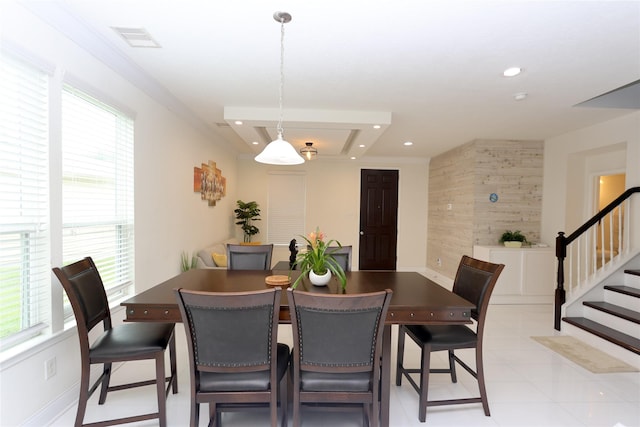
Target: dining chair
point(235, 360)
point(249, 257)
point(342, 254)
point(336, 352)
point(129, 341)
point(474, 282)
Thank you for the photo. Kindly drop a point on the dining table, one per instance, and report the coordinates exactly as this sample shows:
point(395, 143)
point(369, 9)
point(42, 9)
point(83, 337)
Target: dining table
point(416, 300)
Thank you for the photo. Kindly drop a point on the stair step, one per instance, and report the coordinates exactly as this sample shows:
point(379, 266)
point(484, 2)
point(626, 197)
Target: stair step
point(633, 272)
point(627, 290)
point(625, 341)
point(614, 310)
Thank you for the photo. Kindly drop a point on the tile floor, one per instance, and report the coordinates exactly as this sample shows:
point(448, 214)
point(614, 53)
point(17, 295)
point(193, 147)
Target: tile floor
point(527, 384)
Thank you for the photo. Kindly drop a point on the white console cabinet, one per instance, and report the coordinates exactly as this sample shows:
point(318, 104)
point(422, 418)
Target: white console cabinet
point(528, 275)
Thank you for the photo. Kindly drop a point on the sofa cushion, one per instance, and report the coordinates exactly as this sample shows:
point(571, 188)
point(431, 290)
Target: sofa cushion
point(219, 259)
point(205, 258)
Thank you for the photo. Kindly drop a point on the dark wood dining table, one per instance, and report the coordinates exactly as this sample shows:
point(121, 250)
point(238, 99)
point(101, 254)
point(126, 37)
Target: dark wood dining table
point(415, 300)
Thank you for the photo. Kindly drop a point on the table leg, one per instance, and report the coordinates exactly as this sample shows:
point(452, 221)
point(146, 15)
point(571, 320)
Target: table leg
point(385, 377)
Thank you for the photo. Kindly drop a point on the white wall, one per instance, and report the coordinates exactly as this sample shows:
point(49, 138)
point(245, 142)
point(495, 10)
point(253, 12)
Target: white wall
point(333, 203)
point(573, 158)
point(170, 218)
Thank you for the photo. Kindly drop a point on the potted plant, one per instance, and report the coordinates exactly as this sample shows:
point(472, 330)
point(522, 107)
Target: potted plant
point(318, 260)
point(513, 239)
point(187, 262)
point(246, 213)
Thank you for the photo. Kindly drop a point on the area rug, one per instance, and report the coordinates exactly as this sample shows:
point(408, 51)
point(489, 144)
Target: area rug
point(585, 355)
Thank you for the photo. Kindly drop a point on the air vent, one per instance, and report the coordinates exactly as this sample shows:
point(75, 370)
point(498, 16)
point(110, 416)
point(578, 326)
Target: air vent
point(136, 37)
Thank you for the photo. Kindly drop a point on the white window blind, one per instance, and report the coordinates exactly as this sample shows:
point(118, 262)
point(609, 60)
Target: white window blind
point(286, 207)
point(97, 189)
point(25, 276)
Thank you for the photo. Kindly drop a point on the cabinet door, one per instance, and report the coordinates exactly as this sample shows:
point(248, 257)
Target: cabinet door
point(538, 273)
point(510, 280)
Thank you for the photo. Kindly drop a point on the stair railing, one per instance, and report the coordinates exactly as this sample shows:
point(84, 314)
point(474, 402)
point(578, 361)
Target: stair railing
point(592, 247)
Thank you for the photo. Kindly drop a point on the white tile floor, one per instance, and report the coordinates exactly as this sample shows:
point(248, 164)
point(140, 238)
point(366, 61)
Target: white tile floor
point(527, 384)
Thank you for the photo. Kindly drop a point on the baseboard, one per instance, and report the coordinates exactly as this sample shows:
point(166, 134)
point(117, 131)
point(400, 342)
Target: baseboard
point(54, 408)
point(65, 401)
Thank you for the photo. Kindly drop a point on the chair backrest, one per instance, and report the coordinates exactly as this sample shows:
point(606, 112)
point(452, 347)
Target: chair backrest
point(337, 332)
point(342, 255)
point(249, 257)
point(475, 280)
point(230, 331)
point(85, 290)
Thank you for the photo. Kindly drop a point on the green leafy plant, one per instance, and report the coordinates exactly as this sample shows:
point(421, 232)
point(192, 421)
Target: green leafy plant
point(188, 262)
point(246, 213)
point(318, 258)
point(512, 236)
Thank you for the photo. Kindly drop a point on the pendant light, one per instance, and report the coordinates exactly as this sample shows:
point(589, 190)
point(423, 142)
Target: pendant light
point(279, 151)
point(308, 151)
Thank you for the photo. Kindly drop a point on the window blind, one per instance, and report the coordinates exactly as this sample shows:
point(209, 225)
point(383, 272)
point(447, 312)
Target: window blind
point(25, 276)
point(286, 207)
point(97, 189)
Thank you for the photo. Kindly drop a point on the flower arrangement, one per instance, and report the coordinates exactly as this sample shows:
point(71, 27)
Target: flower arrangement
point(318, 258)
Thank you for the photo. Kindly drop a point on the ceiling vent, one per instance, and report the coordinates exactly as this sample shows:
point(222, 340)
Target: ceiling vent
point(136, 37)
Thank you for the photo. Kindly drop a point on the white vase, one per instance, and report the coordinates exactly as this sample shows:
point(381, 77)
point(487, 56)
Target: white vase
point(319, 279)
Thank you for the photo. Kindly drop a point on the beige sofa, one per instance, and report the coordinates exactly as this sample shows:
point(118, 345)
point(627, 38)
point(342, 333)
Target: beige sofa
point(205, 255)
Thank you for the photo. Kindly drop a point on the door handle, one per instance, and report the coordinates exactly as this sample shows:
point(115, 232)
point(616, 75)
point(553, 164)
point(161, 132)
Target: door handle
point(362, 233)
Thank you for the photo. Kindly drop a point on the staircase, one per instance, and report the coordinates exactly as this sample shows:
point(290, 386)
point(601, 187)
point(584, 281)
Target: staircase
point(616, 317)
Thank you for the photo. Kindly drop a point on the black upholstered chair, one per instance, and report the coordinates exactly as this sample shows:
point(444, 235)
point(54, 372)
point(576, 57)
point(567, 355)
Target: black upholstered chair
point(236, 363)
point(249, 257)
point(130, 341)
point(342, 255)
point(474, 282)
point(337, 348)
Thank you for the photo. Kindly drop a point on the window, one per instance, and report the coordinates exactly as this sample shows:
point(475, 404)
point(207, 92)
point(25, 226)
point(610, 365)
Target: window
point(97, 189)
point(286, 206)
point(89, 202)
point(24, 214)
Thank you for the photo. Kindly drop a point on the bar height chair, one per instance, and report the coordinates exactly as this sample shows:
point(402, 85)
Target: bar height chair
point(249, 257)
point(130, 341)
point(337, 348)
point(474, 282)
point(236, 363)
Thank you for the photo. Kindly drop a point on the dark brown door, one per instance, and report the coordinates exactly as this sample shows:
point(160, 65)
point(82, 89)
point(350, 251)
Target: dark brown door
point(378, 219)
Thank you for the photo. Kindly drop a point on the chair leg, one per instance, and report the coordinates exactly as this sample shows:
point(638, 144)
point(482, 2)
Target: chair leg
point(480, 378)
point(400, 355)
point(425, 363)
point(85, 377)
point(106, 378)
point(452, 366)
point(195, 411)
point(296, 408)
point(284, 398)
point(173, 363)
point(162, 397)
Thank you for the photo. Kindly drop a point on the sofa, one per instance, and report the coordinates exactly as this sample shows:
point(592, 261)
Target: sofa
point(205, 256)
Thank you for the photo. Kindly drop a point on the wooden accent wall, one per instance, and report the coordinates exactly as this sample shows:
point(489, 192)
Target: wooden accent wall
point(463, 178)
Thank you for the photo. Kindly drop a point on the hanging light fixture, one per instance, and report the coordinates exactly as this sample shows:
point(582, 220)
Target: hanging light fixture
point(279, 151)
point(308, 151)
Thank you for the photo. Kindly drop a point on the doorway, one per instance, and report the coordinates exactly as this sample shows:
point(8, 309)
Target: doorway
point(378, 219)
point(609, 231)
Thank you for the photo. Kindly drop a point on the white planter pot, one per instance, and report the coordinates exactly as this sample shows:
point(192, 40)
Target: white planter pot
point(319, 280)
point(513, 244)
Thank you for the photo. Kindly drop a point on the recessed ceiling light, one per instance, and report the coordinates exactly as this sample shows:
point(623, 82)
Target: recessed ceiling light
point(238, 122)
point(408, 143)
point(352, 157)
point(361, 146)
point(255, 143)
point(512, 72)
point(520, 96)
point(377, 126)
